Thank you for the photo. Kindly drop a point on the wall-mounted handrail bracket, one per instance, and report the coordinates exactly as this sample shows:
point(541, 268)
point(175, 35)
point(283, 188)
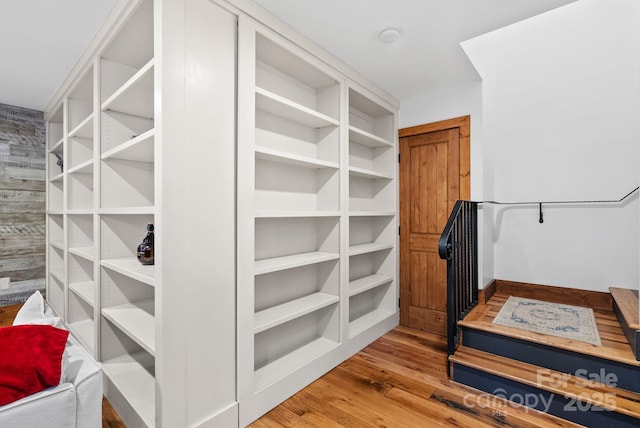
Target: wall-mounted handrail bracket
point(541, 219)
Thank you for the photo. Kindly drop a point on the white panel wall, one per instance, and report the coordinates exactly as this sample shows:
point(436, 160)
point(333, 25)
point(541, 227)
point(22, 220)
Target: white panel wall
point(561, 103)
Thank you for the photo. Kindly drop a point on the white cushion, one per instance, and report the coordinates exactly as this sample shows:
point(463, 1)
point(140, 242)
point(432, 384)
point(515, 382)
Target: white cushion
point(33, 312)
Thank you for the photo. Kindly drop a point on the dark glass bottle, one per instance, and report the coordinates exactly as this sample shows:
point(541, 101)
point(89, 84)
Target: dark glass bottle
point(145, 250)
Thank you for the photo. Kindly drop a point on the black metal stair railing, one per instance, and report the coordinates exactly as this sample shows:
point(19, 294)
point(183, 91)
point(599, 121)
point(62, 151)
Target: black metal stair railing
point(458, 245)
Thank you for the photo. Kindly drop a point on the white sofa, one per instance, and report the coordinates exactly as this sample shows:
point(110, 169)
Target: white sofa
point(75, 402)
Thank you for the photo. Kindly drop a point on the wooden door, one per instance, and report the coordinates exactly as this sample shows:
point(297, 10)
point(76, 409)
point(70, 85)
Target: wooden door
point(430, 184)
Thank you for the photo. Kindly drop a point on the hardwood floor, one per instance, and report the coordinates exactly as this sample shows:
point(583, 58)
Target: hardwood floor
point(399, 381)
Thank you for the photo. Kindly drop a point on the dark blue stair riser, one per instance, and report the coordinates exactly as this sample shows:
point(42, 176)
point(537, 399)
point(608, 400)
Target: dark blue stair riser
point(567, 408)
point(616, 374)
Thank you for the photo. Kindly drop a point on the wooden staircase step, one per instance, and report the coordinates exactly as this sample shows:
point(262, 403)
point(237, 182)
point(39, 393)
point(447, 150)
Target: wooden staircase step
point(588, 391)
point(614, 351)
point(627, 301)
point(626, 309)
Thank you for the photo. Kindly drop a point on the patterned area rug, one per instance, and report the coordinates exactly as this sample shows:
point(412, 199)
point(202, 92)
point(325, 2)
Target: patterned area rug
point(566, 321)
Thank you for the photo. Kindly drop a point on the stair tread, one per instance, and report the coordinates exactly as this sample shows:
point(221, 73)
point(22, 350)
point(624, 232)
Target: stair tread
point(620, 352)
point(627, 301)
point(595, 393)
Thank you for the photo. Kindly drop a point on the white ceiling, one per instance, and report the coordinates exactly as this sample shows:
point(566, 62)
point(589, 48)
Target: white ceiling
point(41, 39)
point(39, 42)
point(428, 53)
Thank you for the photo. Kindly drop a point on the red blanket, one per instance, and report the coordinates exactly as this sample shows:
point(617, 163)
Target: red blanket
point(30, 359)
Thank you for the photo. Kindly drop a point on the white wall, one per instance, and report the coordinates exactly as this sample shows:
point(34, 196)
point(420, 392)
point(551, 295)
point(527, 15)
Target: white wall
point(447, 103)
point(560, 107)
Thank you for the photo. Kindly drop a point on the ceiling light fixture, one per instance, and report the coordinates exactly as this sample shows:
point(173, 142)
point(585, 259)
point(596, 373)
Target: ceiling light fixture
point(389, 35)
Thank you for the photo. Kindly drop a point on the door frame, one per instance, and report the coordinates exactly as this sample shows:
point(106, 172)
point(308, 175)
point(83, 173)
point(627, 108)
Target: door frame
point(463, 123)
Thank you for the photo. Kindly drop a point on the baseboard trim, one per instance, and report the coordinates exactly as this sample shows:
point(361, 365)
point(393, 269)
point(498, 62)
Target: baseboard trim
point(487, 292)
point(549, 293)
point(227, 417)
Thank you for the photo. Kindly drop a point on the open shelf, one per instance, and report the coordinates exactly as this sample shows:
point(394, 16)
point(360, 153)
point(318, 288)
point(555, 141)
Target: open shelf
point(59, 245)
point(81, 190)
point(289, 262)
point(58, 178)
point(128, 304)
point(85, 167)
point(136, 319)
point(294, 214)
point(84, 130)
point(126, 183)
point(86, 252)
point(135, 96)
point(80, 103)
point(128, 52)
point(81, 232)
point(367, 234)
point(83, 331)
point(281, 186)
point(284, 243)
point(368, 248)
point(370, 307)
point(271, 289)
point(55, 130)
point(366, 283)
point(282, 107)
point(367, 173)
point(294, 77)
point(120, 236)
point(293, 344)
point(292, 159)
point(371, 194)
point(372, 213)
point(283, 135)
point(118, 129)
point(81, 280)
point(80, 318)
point(56, 263)
point(139, 149)
point(57, 146)
point(55, 196)
point(55, 172)
point(131, 267)
point(370, 123)
point(367, 139)
point(85, 291)
point(274, 316)
point(360, 325)
point(55, 230)
point(55, 293)
point(133, 376)
point(278, 369)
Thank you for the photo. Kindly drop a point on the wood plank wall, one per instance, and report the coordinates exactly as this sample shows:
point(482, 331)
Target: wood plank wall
point(22, 195)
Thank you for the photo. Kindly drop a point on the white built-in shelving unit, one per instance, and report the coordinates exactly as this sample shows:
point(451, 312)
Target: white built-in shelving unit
point(295, 158)
point(372, 213)
point(316, 218)
point(269, 171)
point(56, 242)
point(127, 195)
point(98, 209)
point(159, 331)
